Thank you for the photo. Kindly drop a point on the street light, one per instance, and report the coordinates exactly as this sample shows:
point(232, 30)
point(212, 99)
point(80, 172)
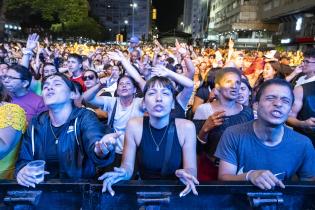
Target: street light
point(133, 5)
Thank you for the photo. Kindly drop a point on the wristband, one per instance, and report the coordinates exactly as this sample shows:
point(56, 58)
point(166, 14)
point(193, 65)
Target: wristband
point(201, 141)
point(26, 51)
point(247, 175)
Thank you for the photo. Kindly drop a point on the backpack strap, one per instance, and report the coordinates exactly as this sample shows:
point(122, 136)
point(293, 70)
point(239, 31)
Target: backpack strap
point(111, 121)
point(169, 146)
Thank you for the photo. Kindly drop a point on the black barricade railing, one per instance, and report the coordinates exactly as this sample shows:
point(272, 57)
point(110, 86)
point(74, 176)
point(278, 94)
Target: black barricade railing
point(82, 194)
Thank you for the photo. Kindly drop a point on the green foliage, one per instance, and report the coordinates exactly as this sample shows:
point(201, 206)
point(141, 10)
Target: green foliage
point(66, 17)
point(87, 27)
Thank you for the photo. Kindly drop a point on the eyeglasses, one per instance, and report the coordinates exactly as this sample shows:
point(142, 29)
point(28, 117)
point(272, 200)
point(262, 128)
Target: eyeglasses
point(89, 77)
point(307, 61)
point(4, 77)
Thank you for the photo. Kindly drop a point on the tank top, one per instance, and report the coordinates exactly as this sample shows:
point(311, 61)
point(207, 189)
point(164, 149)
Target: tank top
point(150, 161)
point(308, 108)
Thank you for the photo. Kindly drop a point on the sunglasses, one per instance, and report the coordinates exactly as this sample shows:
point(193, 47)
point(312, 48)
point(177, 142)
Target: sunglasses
point(89, 77)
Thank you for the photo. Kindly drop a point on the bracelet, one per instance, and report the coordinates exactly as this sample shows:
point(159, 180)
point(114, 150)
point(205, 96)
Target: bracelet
point(201, 141)
point(26, 51)
point(247, 175)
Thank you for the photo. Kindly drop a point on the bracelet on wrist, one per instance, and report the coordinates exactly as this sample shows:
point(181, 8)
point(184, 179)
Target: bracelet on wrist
point(26, 51)
point(200, 140)
point(247, 175)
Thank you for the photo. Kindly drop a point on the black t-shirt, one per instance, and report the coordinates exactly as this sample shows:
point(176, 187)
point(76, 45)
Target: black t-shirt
point(203, 93)
point(51, 148)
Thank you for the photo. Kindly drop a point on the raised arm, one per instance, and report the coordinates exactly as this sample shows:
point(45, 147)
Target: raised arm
point(118, 56)
point(184, 96)
point(90, 96)
point(296, 72)
point(31, 44)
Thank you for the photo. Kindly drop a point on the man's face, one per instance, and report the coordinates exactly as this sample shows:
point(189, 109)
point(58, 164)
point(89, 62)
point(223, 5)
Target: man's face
point(13, 82)
point(133, 44)
point(134, 56)
point(229, 86)
point(274, 105)
point(49, 70)
point(55, 91)
point(73, 64)
point(244, 94)
point(308, 65)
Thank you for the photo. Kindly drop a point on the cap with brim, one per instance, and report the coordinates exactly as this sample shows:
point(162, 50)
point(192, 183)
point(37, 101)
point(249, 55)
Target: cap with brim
point(134, 39)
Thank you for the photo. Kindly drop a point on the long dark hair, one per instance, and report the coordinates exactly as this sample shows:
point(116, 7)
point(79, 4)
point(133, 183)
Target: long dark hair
point(4, 94)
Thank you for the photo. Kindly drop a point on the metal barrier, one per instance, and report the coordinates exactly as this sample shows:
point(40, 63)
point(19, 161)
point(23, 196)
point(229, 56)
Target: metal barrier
point(67, 194)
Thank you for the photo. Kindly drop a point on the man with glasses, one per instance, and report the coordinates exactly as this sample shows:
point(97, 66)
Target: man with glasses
point(307, 68)
point(302, 116)
point(17, 81)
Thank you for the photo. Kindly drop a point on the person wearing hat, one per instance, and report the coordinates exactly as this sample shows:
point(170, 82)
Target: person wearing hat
point(134, 44)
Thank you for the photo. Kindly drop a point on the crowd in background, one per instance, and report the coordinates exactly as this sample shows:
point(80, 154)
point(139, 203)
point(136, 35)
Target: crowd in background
point(109, 92)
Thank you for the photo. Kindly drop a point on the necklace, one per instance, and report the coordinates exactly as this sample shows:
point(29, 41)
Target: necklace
point(157, 145)
point(55, 137)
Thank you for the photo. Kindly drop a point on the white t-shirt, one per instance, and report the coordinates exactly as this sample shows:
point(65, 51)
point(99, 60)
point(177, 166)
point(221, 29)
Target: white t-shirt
point(122, 116)
point(203, 112)
point(302, 80)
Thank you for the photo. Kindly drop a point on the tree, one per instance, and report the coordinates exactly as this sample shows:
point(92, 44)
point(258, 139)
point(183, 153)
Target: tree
point(2, 18)
point(65, 17)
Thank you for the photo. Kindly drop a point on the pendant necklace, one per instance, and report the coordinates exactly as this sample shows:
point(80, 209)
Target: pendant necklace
point(157, 145)
point(55, 137)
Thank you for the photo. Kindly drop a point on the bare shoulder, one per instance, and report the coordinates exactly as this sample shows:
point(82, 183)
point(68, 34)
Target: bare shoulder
point(135, 128)
point(135, 122)
point(298, 89)
point(185, 131)
point(183, 124)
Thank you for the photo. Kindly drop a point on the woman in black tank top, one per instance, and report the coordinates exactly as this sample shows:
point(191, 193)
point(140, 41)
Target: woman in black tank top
point(164, 151)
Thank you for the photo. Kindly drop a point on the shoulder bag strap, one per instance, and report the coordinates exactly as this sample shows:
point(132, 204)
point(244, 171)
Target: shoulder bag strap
point(111, 121)
point(169, 145)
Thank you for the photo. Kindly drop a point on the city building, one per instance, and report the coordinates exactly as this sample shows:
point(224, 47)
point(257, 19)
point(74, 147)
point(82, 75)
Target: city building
point(195, 18)
point(296, 20)
point(240, 20)
point(127, 17)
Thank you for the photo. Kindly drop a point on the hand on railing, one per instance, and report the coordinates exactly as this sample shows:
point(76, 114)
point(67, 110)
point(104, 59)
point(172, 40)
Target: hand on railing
point(111, 178)
point(189, 180)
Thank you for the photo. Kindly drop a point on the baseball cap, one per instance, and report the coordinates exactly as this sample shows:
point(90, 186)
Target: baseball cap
point(134, 39)
point(271, 54)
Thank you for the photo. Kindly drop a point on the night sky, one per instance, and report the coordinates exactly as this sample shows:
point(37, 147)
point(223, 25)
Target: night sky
point(168, 12)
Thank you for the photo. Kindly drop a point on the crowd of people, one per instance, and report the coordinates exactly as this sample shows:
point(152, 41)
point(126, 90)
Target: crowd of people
point(148, 111)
